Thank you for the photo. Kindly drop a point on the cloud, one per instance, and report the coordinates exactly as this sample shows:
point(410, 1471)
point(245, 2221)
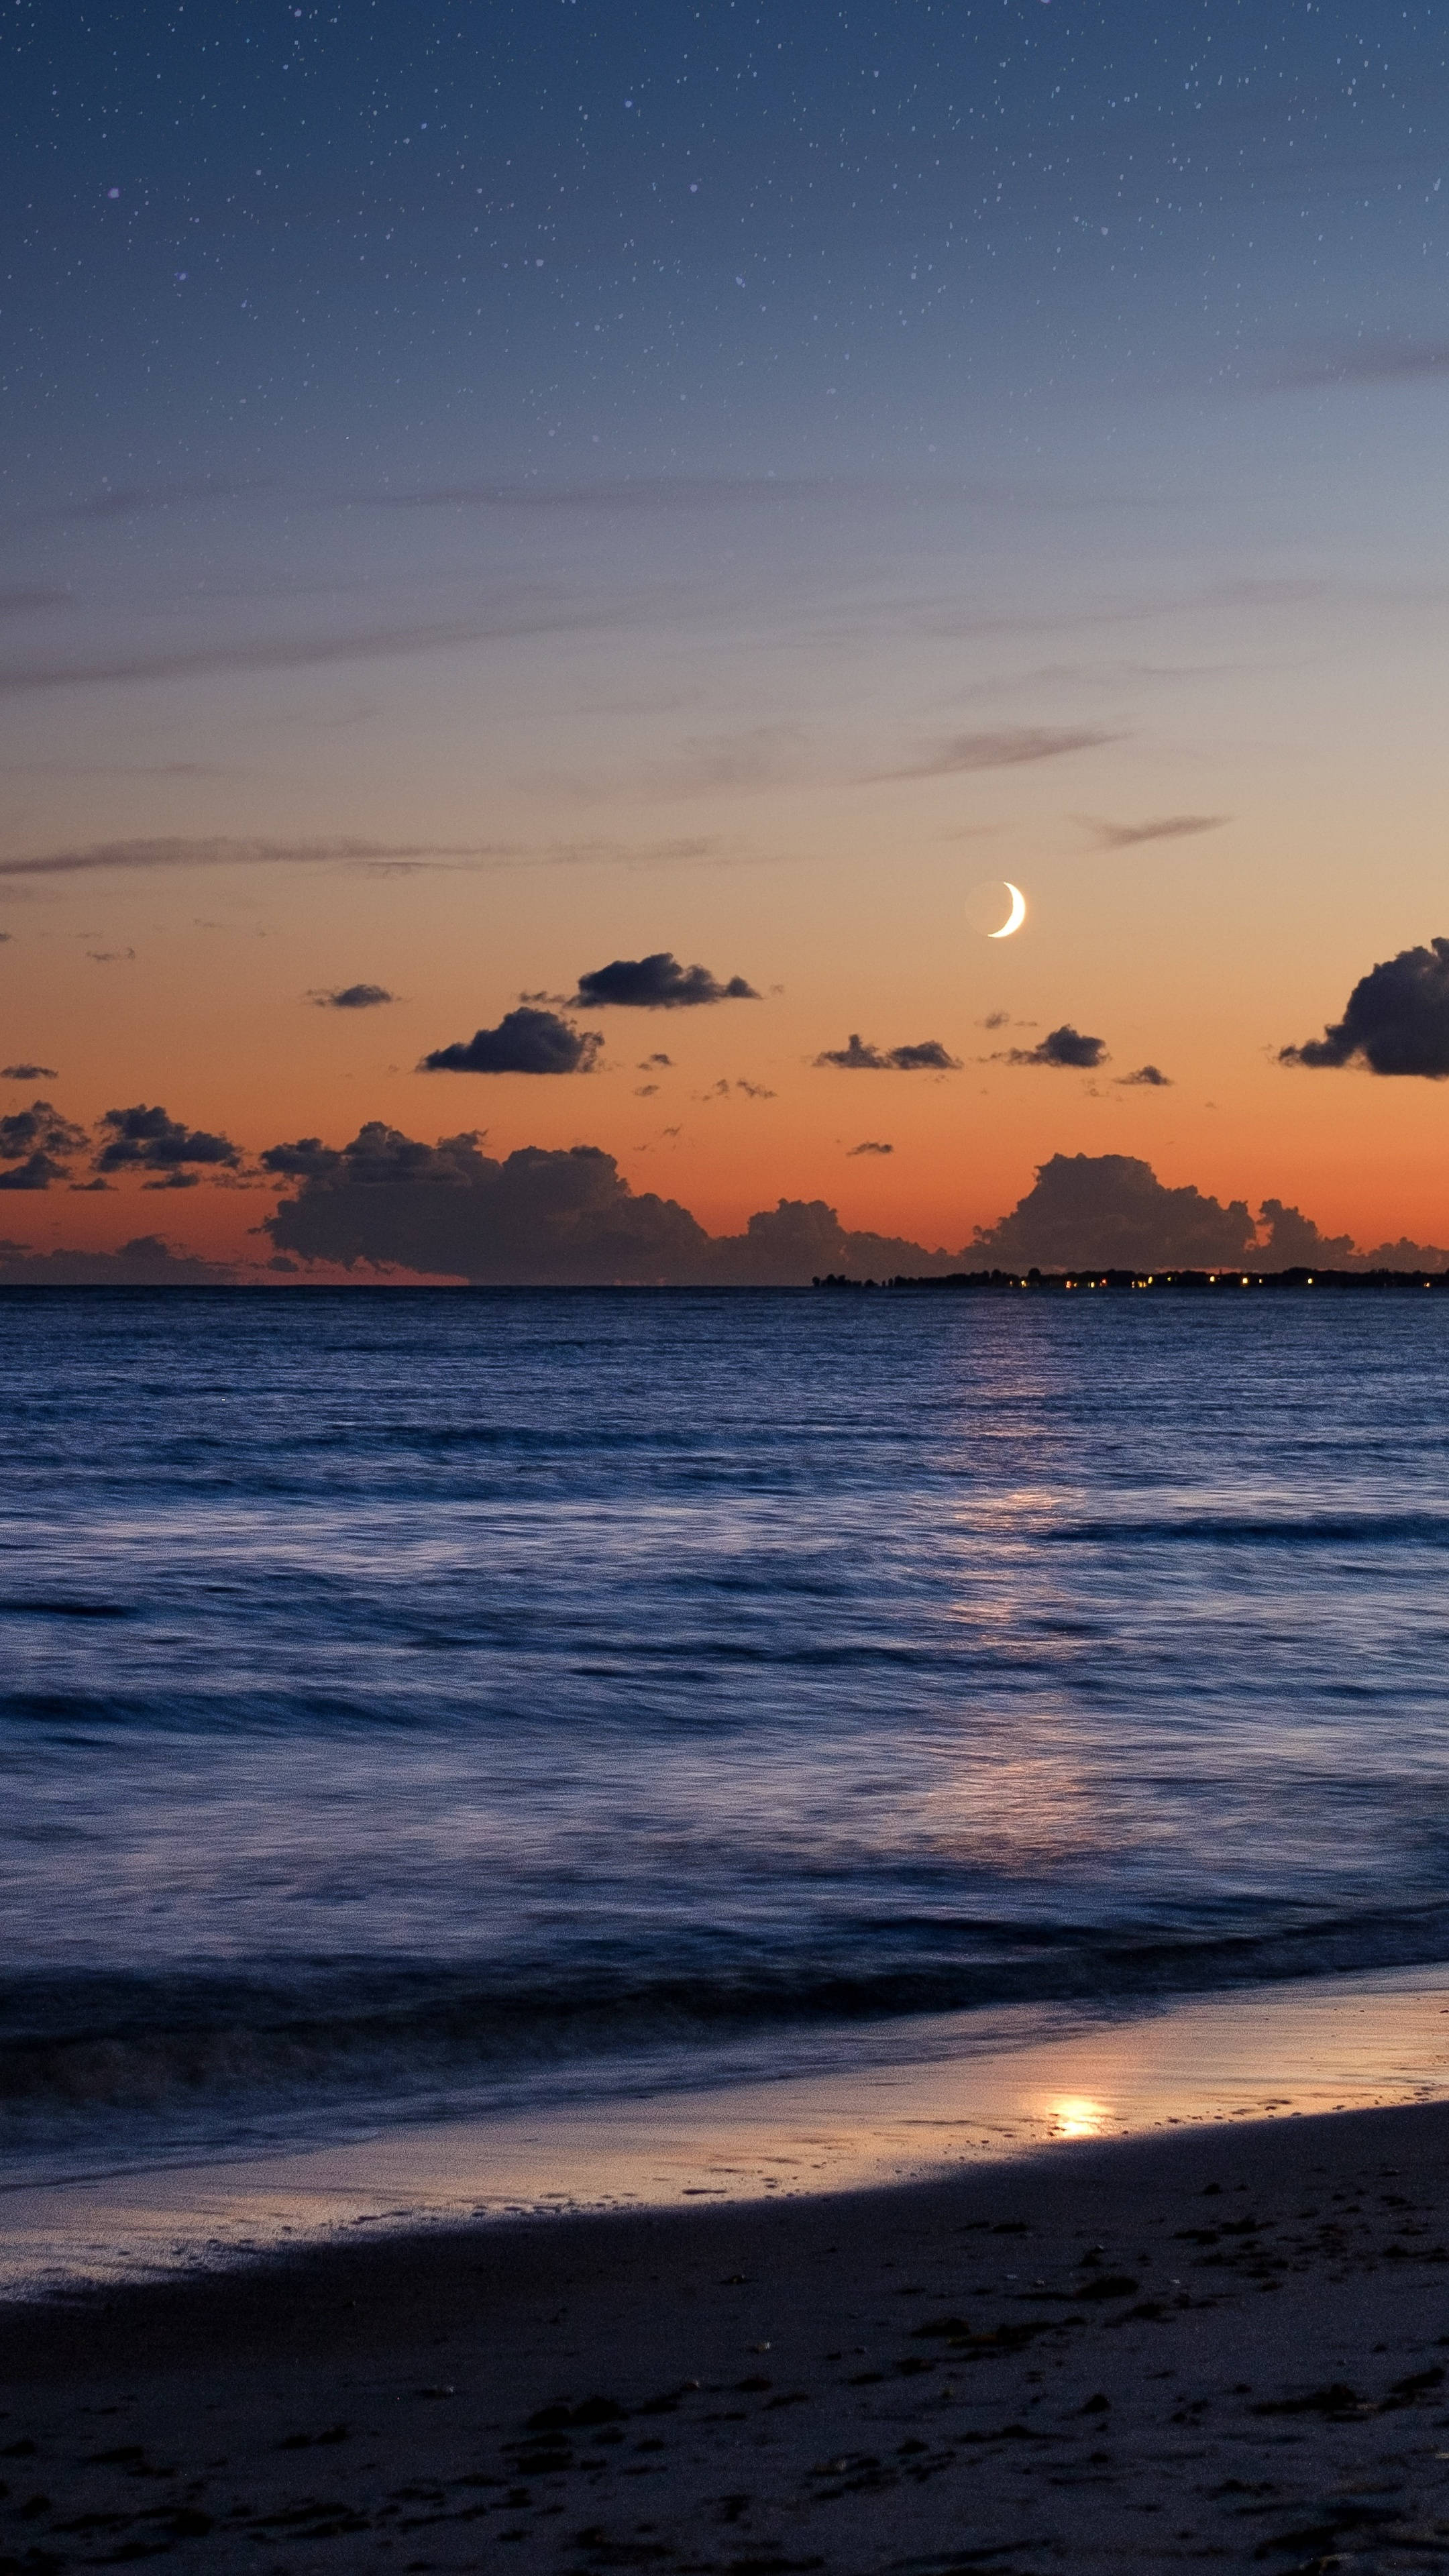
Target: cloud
point(353, 997)
point(1110, 1210)
point(389, 1202)
point(37, 1172)
point(858, 1057)
point(1171, 827)
point(451, 1211)
point(650, 1062)
point(145, 1262)
point(525, 1041)
point(656, 983)
point(308, 1159)
point(644, 492)
point(1294, 1242)
point(1065, 1048)
point(804, 1239)
point(752, 1090)
point(1148, 1077)
point(995, 1020)
point(41, 1144)
point(1396, 1020)
point(111, 956)
point(756, 758)
point(299, 652)
point(1006, 747)
point(869, 1148)
point(40, 1124)
point(17, 599)
point(153, 856)
point(1404, 1255)
point(28, 1073)
point(148, 1140)
point(1369, 362)
point(147, 857)
point(128, 501)
point(541, 1217)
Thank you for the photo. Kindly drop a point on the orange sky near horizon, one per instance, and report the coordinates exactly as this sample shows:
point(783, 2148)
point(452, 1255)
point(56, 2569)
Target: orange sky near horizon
point(799, 788)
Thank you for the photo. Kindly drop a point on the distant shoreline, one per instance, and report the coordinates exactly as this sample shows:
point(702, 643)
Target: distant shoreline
point(1158, 1282)
point(999, 1282)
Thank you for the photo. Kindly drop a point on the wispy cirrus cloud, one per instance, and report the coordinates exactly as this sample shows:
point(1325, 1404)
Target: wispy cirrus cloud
point(759, 757)
point(645, 492)
point(151, 857)
point(130, 500)
point(19, 599)
point(156, 856)
point(1002, 747)
point(1168, 827)
point(508, 622)
point(1384, 361)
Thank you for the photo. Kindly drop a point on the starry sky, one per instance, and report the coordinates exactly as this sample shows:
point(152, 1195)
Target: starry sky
point(490, 492)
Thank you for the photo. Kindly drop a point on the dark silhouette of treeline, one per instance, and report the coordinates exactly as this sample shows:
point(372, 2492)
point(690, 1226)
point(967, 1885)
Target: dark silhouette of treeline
point(1154, 1282)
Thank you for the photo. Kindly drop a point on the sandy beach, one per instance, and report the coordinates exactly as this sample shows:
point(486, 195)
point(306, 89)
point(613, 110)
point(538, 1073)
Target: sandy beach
point(1224, 2344)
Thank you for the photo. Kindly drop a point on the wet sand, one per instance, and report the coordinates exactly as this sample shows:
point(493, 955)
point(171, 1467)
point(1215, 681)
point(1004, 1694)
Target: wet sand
point(906, 2104)
point(1227, 2344)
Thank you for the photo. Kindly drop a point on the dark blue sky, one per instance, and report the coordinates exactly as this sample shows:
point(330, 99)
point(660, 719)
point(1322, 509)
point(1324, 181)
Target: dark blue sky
point(567, 235)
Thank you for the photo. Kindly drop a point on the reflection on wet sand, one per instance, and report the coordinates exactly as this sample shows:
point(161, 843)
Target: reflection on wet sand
point(950, 2091)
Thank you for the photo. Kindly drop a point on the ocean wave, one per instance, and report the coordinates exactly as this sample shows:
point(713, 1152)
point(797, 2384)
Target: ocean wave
point(1271, 1527)
point(153, 2045)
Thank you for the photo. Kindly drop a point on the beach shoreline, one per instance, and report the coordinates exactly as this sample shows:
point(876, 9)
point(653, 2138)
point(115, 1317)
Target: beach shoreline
point(880, 2107)
point(1226, 2343)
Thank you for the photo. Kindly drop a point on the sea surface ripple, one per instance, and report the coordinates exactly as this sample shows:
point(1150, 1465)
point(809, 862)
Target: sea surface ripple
point(416, 1698)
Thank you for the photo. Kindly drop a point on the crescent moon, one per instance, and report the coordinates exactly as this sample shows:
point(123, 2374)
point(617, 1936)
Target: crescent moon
point(1017, 915)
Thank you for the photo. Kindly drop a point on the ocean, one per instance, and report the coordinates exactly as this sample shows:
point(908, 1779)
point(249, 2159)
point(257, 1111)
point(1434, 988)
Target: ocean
point(417, 1701)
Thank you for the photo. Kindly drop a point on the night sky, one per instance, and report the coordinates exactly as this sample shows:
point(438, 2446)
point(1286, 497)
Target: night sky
point(494, 492)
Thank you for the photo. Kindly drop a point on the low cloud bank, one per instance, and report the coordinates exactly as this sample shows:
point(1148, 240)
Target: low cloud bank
point(546, 1218)
point(389, 1204)
point(1111, 1212)
point(560, 1218)
point(145, 1262)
